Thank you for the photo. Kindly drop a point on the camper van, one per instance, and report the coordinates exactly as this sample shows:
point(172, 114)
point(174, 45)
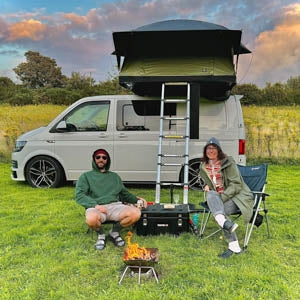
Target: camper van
point(127, 126)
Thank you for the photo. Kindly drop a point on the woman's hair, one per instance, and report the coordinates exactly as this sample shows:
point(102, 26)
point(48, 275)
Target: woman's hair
point(221, 154)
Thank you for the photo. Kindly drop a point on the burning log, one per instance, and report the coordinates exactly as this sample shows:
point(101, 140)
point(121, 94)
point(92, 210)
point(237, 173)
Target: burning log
point(139, 260)
point(135, 252)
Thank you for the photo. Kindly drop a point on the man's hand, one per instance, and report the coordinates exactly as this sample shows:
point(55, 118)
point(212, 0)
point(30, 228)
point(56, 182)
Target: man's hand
point(145, 204)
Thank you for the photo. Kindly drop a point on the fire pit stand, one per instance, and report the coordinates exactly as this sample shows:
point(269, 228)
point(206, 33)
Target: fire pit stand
point(140, 269)
point(141, 266)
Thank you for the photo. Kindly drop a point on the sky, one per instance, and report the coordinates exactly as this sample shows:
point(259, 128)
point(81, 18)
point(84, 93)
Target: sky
point(78, 33)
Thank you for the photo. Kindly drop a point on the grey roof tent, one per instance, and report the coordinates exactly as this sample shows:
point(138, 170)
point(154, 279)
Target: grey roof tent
point(179, 50)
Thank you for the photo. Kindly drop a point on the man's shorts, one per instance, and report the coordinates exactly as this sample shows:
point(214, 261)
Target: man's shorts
point(113, 211)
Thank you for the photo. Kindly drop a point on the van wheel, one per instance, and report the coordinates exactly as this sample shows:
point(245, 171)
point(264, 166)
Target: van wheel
point(194, 177)
point(44, 172)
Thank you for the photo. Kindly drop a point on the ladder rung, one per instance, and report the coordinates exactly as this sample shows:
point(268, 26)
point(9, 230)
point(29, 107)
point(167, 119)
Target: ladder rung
point(173, 136)
point(176, 83)
point(174, 118)
point(171, 164)
point(172, 155)
point(175, 100)
point(171, 183)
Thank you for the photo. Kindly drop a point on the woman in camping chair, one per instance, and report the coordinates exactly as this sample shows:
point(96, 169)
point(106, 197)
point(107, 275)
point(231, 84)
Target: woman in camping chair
point(226, 192)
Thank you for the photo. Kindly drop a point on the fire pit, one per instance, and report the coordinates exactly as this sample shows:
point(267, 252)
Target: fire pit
point(139, 260)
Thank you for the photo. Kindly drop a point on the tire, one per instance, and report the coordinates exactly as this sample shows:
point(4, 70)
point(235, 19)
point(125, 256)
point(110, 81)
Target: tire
point(44, 172)
point(194, 178)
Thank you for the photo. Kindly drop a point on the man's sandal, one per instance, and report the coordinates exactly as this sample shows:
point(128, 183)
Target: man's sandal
point(101, 243)
point(117, 240)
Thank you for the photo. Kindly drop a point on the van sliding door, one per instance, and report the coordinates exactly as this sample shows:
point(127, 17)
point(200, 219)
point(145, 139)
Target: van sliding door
point(136, 141)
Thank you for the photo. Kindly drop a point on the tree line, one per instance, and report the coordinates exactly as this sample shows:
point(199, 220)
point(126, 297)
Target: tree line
point(43, 82)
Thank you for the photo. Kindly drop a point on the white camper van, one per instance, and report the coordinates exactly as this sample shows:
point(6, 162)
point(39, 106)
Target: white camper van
point(127, 126)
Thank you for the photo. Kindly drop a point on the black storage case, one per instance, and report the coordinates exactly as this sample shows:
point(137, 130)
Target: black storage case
point(160, 219)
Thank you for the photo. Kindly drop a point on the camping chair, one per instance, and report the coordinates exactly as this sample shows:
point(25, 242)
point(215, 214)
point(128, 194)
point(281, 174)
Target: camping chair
point(255, 177)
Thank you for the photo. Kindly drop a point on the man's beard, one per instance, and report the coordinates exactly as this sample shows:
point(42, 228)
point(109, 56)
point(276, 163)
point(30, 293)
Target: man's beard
point(102, 168)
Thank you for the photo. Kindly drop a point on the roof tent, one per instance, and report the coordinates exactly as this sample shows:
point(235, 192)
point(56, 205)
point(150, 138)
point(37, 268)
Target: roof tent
point(179, 50)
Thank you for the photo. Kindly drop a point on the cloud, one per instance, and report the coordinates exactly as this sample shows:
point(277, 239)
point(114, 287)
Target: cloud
point(3, 29)
point(75, 19)
point(10, 52)
point(31, 29)
point(84, 42)
point(276, 54)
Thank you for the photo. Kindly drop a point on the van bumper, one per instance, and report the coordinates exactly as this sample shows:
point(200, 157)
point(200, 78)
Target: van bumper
point(17, 172)
point(242, 160)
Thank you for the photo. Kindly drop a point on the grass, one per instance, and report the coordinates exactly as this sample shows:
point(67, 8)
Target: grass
point(272, 132)
point(46, 253)
point(267, 138)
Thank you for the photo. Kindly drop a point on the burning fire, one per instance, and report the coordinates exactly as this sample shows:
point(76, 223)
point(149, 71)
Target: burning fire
point(134, 251)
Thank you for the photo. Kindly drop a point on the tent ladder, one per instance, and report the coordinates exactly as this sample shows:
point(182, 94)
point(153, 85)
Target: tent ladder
point(162, 137)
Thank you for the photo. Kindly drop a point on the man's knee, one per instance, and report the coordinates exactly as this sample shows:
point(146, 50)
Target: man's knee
point(93, 220)
point(136, 214)
point(131, 213)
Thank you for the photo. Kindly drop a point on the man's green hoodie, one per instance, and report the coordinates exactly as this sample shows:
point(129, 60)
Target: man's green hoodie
point(94, 187)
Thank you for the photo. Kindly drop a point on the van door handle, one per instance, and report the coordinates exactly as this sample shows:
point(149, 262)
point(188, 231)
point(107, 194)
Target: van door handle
point(122, 135)
point(103, 135)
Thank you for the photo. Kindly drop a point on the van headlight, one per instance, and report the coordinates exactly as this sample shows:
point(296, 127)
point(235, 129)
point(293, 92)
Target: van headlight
point(19, 146)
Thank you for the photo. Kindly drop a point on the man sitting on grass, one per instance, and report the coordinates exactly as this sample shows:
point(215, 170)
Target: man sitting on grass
point(101, 191)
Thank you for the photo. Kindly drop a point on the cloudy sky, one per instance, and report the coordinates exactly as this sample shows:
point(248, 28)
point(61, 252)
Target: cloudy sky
point(78, 33)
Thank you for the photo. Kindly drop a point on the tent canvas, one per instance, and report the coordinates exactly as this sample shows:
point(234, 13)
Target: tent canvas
point(191, 66)
point(144, 75)
point(184, 37)
point(179, 50)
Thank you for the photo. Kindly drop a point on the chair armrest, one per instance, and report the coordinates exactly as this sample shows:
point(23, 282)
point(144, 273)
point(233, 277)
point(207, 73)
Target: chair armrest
point(260, 193)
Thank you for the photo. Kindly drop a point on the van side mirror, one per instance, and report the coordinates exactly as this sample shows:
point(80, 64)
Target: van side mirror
point(62, 126)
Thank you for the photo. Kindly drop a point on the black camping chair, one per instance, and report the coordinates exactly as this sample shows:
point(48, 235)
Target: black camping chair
point(255, 177)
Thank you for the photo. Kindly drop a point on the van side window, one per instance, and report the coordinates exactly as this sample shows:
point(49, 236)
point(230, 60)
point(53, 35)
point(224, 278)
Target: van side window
point(140, 115)
point(91, 116)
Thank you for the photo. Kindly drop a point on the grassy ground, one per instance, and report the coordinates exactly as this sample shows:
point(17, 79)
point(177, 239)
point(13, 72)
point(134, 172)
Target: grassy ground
point(46, 253)
point(272, 132)
point(276, 139)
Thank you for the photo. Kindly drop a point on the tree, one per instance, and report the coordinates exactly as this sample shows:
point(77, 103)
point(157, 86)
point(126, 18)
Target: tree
point(111, 87)
point(79, 81)
point(7, 89)
point(6, 82)
point(252, 94)
point(39, 71)
point(294, 83)
point(276, 94)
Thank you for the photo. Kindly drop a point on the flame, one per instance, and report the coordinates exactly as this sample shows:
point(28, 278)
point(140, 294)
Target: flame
point(134, 251)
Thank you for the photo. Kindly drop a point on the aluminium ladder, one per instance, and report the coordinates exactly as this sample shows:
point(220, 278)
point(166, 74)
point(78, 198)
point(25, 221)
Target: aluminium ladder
point(162, 137)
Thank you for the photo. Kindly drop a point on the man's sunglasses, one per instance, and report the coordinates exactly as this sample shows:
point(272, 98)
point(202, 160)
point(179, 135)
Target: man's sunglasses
point(101, 156)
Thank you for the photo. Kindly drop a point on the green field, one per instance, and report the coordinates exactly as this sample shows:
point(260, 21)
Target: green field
point(47, 254)
point(272, 133)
